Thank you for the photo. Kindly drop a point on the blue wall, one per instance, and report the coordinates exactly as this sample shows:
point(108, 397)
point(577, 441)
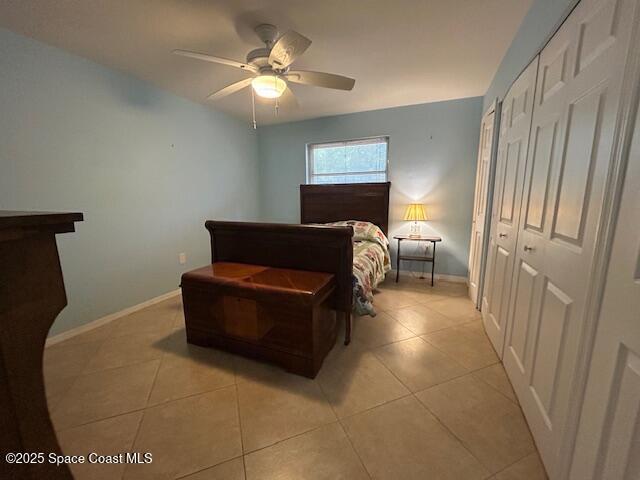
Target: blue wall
point(542, 19)
point(432, 160)
point(145, 167)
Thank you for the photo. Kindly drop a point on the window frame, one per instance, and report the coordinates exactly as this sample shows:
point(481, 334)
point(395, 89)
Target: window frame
point(309, 147)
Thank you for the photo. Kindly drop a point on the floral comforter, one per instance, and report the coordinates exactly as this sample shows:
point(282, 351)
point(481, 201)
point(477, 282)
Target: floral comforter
point(371, 261)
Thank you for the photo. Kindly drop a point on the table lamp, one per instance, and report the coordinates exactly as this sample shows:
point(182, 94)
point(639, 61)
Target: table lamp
point(415, 213)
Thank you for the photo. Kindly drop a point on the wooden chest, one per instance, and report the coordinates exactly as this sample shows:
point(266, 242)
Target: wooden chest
point(280, 315)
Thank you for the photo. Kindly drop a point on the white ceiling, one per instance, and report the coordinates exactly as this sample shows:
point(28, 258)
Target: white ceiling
point(400, 52)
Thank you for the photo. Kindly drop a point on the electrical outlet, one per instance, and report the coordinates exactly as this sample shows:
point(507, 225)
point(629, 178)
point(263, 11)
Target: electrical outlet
point(182, 257)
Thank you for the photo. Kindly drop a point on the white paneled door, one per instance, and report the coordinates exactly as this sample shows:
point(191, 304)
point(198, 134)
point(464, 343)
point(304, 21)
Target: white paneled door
point(608, 442)
point(512, 151)
point(568, 165)
point(483, 168)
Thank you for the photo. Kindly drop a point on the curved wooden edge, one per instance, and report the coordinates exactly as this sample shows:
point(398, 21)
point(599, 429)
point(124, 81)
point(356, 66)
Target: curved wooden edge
point(31, 297)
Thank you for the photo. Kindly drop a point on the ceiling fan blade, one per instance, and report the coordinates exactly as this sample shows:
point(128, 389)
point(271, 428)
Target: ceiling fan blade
point(288, 47)
point(229, 89)
point(320, 79)
point(288, 100)
point(213, 59)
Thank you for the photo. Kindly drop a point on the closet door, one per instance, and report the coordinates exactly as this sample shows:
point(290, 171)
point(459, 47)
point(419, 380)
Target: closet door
point(575, 111)
point(608, 443)
point(512, 151)
point(485, 149)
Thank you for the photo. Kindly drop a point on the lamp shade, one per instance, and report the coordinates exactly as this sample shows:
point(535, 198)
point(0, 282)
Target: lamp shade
point(415, 213)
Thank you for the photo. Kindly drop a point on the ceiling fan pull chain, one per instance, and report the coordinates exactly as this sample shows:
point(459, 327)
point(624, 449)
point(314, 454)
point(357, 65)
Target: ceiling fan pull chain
point(277, 106)
point(253, 109)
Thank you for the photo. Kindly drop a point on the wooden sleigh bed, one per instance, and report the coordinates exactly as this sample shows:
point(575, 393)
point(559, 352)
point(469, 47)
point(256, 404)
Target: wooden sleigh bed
point(301, 247)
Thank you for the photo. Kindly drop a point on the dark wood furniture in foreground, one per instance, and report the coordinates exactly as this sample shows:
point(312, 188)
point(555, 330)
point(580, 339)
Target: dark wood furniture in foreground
point(367, 202)
point(312, 248)
point(31, 296)
point(297, 247)
point(417, 258)
point(281, 315)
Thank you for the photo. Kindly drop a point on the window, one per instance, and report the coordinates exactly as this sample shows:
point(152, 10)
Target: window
point(350, 161)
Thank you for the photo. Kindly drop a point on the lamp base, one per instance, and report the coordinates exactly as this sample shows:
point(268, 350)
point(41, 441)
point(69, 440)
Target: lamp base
point(415, 230)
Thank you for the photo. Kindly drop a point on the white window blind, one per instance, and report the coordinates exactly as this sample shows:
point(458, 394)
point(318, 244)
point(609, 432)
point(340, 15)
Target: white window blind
point(350, 161)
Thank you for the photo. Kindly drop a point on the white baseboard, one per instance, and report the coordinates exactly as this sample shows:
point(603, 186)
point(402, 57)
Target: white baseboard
point(128, 311)
point(451, 278)
point(109, 318)
point(438, 276)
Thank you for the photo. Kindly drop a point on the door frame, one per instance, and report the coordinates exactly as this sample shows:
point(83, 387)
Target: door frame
point(496, 107)
point(623, 136)
point(481, 184)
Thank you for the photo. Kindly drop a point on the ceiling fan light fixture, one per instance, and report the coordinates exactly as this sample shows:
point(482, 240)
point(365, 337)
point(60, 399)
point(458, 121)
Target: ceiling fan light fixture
point(269, 86)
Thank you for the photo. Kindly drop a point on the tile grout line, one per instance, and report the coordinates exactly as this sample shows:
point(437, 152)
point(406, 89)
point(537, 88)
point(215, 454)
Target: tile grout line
point(144, 410)
point(445, 353)
point(73, 381)
point(351, 415)
point(519, 460)
point(291, 437)
point(401, 382)
point(535, 449)
point(207, 468)
point(153, 383)
point(392, 374)
point(297, 434)
point(261, 448)
point(445, 427)
point(235, 385)
point(467, 370)
point(132, 364)
point(337, 421)
point(492, 386)
point(147, 406)
point(62, 399)
point(434, 331)
point(344, 430)
point(133, 442)
point(112, 335)
point(161, 358)
point(415, 335)
point(85, 374)
point(100, 344)
point(355, 450)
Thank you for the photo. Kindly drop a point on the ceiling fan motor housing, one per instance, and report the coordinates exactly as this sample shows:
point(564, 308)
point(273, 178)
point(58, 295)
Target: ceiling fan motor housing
point(259, 57)
point(267, 33)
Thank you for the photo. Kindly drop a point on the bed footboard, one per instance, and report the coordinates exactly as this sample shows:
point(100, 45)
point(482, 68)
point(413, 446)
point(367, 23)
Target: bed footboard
point(301, 247)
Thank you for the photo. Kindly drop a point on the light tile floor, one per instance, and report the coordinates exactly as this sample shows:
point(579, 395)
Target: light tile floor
point(418, 394)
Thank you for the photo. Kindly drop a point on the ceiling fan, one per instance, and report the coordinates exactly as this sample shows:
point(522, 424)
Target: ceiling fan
point(270, 67)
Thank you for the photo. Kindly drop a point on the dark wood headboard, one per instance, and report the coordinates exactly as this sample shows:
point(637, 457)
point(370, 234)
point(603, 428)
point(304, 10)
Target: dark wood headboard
point(350, 201)
point(301, 247)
